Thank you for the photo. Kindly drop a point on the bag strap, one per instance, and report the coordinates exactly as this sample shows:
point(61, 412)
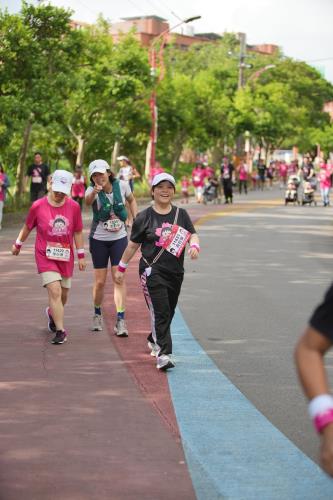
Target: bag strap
point(162, 249)
point(118, 203)
point(116, 192)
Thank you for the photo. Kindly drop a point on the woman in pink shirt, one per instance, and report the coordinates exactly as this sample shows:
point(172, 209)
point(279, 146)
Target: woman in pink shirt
point(242, 177)
point(79, 186)
point(324, 178)
point(57, 219)
point(283, 172)
point(198, 181)
point(185, 183)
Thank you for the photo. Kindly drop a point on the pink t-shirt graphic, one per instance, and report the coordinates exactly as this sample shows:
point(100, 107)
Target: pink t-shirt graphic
point(55, 228)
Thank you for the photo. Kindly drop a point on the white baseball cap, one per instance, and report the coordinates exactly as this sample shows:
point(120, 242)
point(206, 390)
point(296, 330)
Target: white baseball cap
point(163, 176)
point(98, 166)
point(119, 158)
point(62, 181)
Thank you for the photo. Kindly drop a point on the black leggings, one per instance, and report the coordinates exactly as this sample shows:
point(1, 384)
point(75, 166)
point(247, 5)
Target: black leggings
point(227, 189)
point(161, 296)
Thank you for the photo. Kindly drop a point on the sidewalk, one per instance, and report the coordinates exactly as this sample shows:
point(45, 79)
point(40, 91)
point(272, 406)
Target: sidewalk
point(77, 422)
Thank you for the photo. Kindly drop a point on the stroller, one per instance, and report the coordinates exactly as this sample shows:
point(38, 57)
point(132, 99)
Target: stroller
point(308, 193)
point(291, 194)
point(210, 192)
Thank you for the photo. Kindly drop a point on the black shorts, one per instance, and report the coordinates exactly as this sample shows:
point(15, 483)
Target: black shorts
point(322, 318)
point(103, 251)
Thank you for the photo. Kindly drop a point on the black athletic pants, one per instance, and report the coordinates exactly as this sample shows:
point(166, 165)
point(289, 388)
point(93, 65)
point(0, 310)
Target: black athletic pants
point(161, 293)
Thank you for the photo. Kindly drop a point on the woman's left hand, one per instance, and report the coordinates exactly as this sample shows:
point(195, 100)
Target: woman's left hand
point(82, 264)
point(193, 253)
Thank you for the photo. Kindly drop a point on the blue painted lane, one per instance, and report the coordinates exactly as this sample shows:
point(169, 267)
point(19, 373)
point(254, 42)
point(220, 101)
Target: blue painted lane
point(232, 450)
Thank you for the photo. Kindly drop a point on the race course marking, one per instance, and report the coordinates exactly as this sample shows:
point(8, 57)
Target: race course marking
point(232, 450)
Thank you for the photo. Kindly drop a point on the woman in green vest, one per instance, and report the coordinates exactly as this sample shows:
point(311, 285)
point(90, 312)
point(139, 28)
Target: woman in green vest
point(108, 237)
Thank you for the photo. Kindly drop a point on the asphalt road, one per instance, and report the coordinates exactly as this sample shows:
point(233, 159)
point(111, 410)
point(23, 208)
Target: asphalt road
point(263, 268)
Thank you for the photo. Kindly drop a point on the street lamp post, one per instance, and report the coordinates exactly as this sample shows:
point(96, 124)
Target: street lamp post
point(156, 60)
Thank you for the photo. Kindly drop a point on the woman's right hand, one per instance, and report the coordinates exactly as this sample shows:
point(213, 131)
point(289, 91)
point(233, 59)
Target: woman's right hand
point(97, 188)
point(15, 250)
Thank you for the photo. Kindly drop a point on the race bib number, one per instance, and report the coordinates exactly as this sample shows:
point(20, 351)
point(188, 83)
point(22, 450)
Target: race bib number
point(113, 224)
point(58, 251)
point(173, 238)
point(36, 180)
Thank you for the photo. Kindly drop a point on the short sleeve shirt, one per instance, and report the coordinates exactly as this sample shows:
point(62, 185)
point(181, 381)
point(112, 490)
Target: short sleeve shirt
point(39, 175)
point(145, 231)
point(126, 173)
point(54, 225)
point(322, 317)
point(98, 229)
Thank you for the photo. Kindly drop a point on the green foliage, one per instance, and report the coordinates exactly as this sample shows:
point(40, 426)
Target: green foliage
point(83, 92)
point(109, 101)
point(322, 136)
point(282, 105)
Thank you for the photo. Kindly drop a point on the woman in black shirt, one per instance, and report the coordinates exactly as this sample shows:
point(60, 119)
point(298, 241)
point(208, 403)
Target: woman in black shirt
point(162, 231)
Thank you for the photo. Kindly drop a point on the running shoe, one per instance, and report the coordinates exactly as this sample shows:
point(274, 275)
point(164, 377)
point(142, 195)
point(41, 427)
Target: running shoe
point(154, 349)
point(164, 362)
point(97, 325)
point(120, 328)
point(50, 321)
point(60, 337)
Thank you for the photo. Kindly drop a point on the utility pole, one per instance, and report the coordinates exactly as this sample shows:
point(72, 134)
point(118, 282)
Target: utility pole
point(242, 56)
point(241, 83)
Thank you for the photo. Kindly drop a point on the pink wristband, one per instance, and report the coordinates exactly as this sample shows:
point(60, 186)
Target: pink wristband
point(18, 244)
point(322, 419)
point(80, 254)
point(122, 266)
point(195, 245)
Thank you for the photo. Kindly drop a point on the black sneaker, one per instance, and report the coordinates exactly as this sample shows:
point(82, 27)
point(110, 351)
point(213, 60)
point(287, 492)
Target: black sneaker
point(50, 322)
point(60, 337)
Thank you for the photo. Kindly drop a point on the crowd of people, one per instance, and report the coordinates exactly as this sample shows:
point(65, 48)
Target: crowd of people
point(211, 184)
point(206, 183)
point(162, 231)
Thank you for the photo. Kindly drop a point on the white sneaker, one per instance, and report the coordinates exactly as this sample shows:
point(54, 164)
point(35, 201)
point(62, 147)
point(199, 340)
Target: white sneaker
point(97, 325)
point(164, 362)
point(120, 328)
point(154, 349)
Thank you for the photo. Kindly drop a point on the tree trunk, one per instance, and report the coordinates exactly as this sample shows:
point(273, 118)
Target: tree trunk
point(147, 164)
point(20, 171)
point(175, 161)
point(114, 156)
point(80, 150)
point(80, 146)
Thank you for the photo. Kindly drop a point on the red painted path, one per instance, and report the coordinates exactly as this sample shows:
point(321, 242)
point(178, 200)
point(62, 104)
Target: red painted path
point(90, 419)
point(93, 418)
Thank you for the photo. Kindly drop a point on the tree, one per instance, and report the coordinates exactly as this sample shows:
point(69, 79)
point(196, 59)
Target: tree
point(282, 105)
point(109, 101)
point(322, 137)
point(38, 57)
point(196, 98)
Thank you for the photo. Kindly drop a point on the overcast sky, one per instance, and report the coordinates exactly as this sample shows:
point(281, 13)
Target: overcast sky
point(302, 28)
